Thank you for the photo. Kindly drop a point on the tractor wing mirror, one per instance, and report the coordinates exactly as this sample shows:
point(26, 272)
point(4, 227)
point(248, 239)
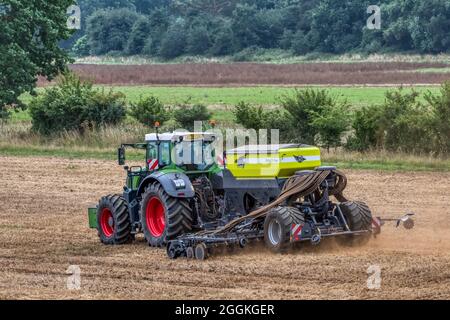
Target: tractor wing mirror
point(121, 156)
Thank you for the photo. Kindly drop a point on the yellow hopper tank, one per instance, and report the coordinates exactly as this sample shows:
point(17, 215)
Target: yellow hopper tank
point(271, 161)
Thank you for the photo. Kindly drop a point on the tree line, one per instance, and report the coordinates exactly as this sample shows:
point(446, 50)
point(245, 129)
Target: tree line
point(171, 28)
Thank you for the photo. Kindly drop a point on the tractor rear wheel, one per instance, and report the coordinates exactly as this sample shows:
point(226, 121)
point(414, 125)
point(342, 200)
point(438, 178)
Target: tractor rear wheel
point(277, 227)
point(359, 218)
point(113, 221)
point(163, 217)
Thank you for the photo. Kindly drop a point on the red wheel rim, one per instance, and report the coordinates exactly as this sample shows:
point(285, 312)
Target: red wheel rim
point(155, 217)
point(107, 222)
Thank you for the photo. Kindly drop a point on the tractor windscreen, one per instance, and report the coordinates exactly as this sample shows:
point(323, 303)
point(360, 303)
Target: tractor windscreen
point(194, 155)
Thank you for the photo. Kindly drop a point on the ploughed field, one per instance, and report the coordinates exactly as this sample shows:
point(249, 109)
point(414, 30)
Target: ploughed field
point(44, 230)
point(248, 74)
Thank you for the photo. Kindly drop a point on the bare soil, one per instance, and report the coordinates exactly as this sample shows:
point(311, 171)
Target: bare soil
point(43, 224)
point(245, 74)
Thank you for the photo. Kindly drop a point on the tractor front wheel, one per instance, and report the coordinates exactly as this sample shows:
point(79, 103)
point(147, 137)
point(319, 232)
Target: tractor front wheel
point(163, 217)
point(113, 222)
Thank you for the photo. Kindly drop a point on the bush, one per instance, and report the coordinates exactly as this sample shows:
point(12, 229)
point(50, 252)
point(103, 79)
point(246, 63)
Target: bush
point(307, 115)
point(366, 129)
point(304, 106)
point(149, 110)
point(440, 118)
point(186, 115)
point(402, 123)
point(248, 116)
point(405, 123)
point(75, 105)
point(282, 121)
point(251, 117)
point(331, 123)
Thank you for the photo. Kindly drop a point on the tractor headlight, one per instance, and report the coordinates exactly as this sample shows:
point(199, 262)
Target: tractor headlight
point(179, 184)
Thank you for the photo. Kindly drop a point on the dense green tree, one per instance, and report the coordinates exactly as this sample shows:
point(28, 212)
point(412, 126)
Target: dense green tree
point(286, 39)
point(213, 7)
point(223, 41)
point(243, 26)
point(239, 26)
point(418, 25)
point(372, 41)
point(159, 23)
point(269, 28)
point(29, 37)
point(396, 33)
point(338, 24)
point(88, 7)
point(148, 6)
point(109, 30)
point(261, 4)
point(174, 42)
point(198, 40)
point(300, 43)
point(139, 35)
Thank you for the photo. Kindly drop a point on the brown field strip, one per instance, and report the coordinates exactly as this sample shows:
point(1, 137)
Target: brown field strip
point(244, 74)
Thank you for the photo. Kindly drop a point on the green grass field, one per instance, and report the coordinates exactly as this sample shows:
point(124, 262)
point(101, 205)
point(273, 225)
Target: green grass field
point(220, 99)
point(356, 96)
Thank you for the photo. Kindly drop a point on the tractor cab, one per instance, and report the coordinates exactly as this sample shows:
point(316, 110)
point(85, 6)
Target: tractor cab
point(187, 151)
point(190, 153)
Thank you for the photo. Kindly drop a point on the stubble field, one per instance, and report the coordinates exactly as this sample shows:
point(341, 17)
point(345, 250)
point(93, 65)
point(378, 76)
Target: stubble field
point(43, 224)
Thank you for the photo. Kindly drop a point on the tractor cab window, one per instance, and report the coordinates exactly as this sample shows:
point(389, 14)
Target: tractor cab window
point(208, 154)
point(164, 153)
point(152, 151)
point(152, 156)
point(194, 155)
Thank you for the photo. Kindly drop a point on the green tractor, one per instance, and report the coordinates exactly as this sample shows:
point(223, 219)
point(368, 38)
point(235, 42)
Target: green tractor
point(184, 199)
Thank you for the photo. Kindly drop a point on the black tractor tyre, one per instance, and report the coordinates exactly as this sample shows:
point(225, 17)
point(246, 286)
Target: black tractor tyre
point(113, 221)
point(201, 251)
point(277, 227)
point(190, 254)
point(163, 217)
point(359, 218)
